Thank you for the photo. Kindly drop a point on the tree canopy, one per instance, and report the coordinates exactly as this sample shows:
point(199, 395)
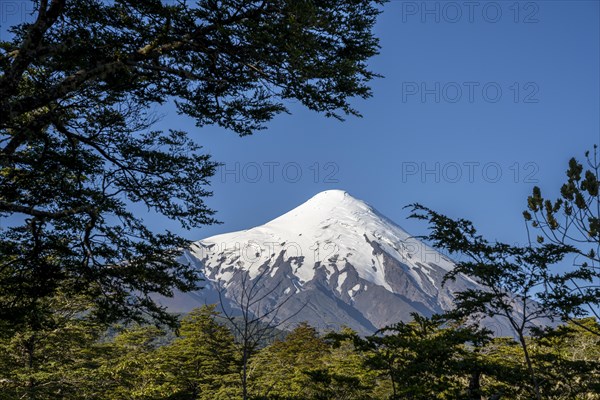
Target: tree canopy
point(77, 146)
point(572, 221)
point(427, 358)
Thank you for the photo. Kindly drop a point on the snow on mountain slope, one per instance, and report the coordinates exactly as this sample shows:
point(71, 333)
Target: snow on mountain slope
point(332, 223)
point(339, 260)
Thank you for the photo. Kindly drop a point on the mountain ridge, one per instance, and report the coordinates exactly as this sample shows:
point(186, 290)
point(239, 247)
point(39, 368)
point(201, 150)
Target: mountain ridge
point(335, 260)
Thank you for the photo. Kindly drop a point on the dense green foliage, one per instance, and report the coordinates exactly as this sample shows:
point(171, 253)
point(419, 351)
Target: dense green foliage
point(78, 155)
point(428, 358)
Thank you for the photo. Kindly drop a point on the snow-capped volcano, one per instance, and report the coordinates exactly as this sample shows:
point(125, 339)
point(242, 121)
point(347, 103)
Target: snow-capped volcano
point(331, 229)
point(335, 261)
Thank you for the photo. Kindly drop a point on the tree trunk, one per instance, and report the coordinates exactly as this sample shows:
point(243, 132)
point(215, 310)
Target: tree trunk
point(534, 380)
point(30, 349)
point(474, 390)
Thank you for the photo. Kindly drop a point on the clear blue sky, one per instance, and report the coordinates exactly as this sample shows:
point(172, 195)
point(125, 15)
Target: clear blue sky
point(553, 58)
point(544, 57)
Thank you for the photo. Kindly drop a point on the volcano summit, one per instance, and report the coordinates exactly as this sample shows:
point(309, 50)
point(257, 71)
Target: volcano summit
point(334, 261)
